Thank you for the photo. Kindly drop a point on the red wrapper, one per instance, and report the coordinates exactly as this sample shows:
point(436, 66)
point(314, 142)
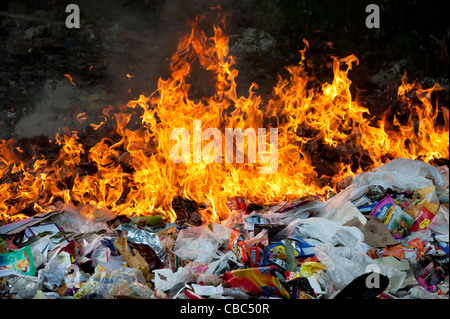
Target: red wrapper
point(237, 245)
point(255, 281)
point(237, 203)
point(253, 256)
point(413, 249)
point(422, 220)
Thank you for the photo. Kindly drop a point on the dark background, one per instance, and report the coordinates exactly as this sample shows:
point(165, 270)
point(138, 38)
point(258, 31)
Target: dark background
point(137, 37)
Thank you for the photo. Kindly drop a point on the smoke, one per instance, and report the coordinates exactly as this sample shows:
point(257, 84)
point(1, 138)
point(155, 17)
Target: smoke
point(130, 42)
point(121, 38)
point(59, 107)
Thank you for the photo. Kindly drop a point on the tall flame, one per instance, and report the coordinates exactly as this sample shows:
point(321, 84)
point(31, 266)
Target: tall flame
point(132, 174)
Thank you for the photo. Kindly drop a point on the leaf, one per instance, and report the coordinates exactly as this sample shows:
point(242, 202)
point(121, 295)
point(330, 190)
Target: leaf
point(45, 233)
point(101, 231)
point(61, 234)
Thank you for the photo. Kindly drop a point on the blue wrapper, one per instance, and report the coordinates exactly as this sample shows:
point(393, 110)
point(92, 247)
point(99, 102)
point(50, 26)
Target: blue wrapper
point(275, 254)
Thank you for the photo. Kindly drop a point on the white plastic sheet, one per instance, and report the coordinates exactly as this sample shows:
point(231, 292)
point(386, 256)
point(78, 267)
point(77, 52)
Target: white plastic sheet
point(198, 243)
point(345, 264)
point(440, 224)
point(165, 279)
point(400, 173)
point(318, 231)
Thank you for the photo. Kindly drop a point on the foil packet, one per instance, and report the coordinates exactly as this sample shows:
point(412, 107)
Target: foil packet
point(137, 235)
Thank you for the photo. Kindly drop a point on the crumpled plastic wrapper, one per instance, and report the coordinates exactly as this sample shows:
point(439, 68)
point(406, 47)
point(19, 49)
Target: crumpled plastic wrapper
point(25, 287)
point(137, 235)
point(54, 271)
point(109, 284)
point(198, 243)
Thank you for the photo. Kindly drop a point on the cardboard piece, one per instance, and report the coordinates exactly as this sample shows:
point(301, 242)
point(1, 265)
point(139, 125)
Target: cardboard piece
point(16, 227)
point(375, 232)
point(53, 229)
point(134, 261)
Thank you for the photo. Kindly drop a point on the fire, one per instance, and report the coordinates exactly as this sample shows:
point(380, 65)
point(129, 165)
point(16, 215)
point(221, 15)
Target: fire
point(133, 174)
point(70, 79)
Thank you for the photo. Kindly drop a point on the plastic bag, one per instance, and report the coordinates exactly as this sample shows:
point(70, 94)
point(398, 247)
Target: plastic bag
point(165, 279)
point(24, 286)
point(399, 173)
point(209, 279)
point(347, 212)
point(260, 238)
point(440, 224)
point(318, 231)
point(122, 282)
point(74, 277)
point(419, 292)
point(108, 284)
point(87, 247)
point(221, 265)
point(101, 255)
point(234, 218)
point(54, 271)
point(198, 243)
point(73, 221)
point(345, 264)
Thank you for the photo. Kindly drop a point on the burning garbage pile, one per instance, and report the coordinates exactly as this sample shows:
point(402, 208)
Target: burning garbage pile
point(389, 225)
point(160, 200)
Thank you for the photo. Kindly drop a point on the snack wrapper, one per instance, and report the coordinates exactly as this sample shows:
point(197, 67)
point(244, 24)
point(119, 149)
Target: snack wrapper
point(237, 245)
point(422, 220)
point(237, 203)
point(395, 219)
point(253, 256)
point(258, 281)
point(276, 253)
point(307, 269)
point(412, 249)
point(20, 261)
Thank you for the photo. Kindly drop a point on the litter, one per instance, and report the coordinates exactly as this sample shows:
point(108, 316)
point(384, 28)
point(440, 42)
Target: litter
point(20, 261)
point(385, 236)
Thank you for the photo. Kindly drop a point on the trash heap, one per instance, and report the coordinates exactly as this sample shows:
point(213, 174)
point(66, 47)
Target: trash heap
point(384, 236)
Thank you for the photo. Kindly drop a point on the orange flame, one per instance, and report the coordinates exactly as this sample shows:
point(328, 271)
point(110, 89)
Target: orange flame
point(70, 78)
point(132, 173)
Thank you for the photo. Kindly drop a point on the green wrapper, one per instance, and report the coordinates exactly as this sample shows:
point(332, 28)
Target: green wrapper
point(148, 220)
point(20, 261)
